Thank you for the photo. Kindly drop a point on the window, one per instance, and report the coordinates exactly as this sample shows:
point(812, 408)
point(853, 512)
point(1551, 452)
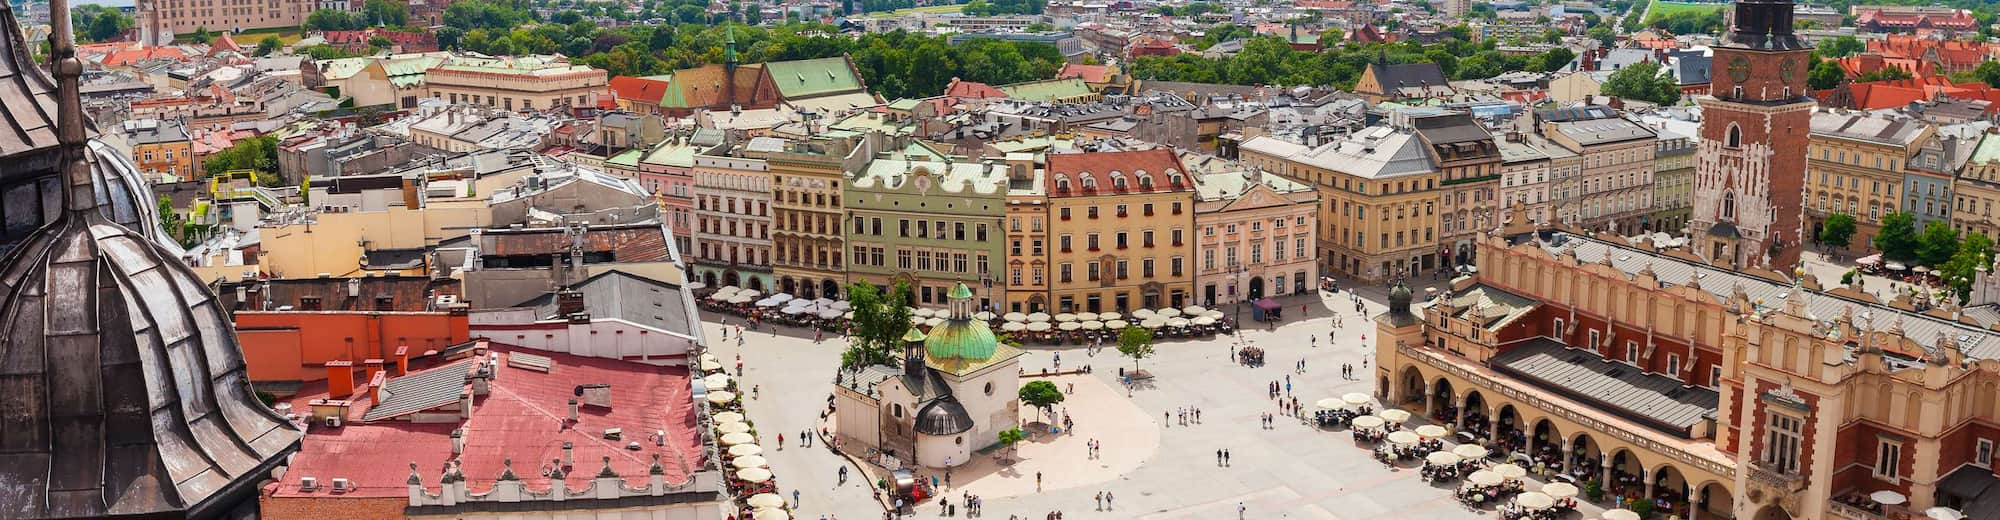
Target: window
point(1674, 366)
point(1715, 376)
point(1148, 209)
point(1208, 260)
point(904, 224)
point(1631, 350)
point(1038, 275)
point(1091, 212)
point(1983, 455)
point(1091, 241)
point(1123, 273)
point(1781, 442)
point(1038, 248)
point(1122, 242)
point(1093, 271)
point(1177, 236)
point(1016, 249)
point(1593, 339)
point(1065, 214)
point(1063, 272)
point(1122, 208)
point(1888, 458)
point(1176, 264)
point(1146, 268)
point(1063, 243)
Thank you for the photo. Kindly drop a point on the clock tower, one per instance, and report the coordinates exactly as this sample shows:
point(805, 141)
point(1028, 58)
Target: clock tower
point(1750, 174)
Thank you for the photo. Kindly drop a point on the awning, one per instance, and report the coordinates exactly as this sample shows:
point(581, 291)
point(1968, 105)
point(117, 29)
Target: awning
point(1968, 482)
point(1268, 304)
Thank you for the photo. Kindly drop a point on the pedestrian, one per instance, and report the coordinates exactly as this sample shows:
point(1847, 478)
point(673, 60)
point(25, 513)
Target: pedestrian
point(795, 499)
point(1038, 482)
point(1239, 510)
point(781, 442)
point(1225, 460)
point(1218, 458)
point(1108, 501)
point(1100, 501)
point(843, 476)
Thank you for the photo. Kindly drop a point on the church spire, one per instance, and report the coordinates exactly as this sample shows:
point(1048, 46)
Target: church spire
point(80, 194)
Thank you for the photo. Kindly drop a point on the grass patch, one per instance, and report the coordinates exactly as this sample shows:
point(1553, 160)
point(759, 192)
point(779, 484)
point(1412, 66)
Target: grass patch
point(1664, 9)
point(929, 9)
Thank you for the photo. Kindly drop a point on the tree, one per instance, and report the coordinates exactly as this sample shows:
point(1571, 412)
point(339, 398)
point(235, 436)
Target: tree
point(1043, 395)
point(1937, 243)
point(1884, 74)
point(1841, 47)
point(268, 45)
point(1603, 34)
point(1974, 253)
point(332, 20)
point(385, 13)
point(880, 322)
point(1643, 81)
point(1898, 238)
point(1837, 230)
point(1824, 75)
point(96, 23)
point(1555, 59)
point(1010, 437)
point(1135, 343)
point(201, 35)
point(259, 154)
point(1989, 72)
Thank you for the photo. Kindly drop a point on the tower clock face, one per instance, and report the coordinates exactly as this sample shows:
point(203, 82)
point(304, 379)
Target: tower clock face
point(1739, 69)
point(1788, 69)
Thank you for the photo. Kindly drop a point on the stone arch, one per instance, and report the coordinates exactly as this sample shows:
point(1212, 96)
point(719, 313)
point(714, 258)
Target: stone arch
point(1625, 465)
point(1544, 436)
point(1145, 180)
point(1087, 181)
point(1713, 497)
point(1476, 419)
point(1585, 451)
point(1062, 182)
point(1507, 427)
point(1118, 180)
point(1771, 512)
point(1439, 401)
point(1413, 389)
point(1671, 485)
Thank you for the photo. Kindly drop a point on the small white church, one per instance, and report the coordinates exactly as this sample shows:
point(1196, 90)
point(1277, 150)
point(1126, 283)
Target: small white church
point(958, 389)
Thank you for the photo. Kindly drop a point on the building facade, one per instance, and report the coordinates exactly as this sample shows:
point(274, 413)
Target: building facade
point(161, 147)
point(1120, 221)
point(1524, 177)
point(1856, 165)
point(1254, 236)
point(1673, 183)
point(1927, 180)
point(159, 21)
point(1614, 189)
point(931, 221)
point(1028, 269)
point(1468, 167)
point(1750, 175)
point(808, 253)
point(515, 82)
point(1378, 199)
point(732, 226)
point(1977, 189)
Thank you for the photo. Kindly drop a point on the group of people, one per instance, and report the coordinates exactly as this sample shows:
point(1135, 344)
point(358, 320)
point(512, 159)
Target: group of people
point(973, 505)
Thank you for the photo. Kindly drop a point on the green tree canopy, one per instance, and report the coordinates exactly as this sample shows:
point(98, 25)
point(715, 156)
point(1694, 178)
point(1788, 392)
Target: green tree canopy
point(1975, 252)
point(1936, 245)
point(1643, 81)
point(880, 322)
point(1135, 343)
point(1841, 47)
point(1041, 394)
point(385, 13)
point(96, 23)
point(256, 153)
point(1837, 230)
point(1897, 240)
point(1825, 74)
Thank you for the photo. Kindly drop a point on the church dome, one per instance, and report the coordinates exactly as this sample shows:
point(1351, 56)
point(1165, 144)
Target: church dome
point(961, 336)
point(943, 416)
point(127, 389)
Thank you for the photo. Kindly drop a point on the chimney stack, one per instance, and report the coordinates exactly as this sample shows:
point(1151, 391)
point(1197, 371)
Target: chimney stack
point(375, 388)
point(402, 360)
point(464, 404)
point(458, 441)
point(569, 454)
point(572, 411)
point(339, 379)
point(569, 302)
point(374, 367)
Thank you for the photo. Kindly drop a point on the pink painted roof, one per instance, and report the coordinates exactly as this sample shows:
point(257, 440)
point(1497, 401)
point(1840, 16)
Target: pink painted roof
point(522, 419)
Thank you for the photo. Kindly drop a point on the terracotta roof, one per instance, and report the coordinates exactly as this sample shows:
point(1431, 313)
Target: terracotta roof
point(646, 90)
point(971, 90)
point(520, 420)
point(123, 57)
point(1089, 73)
point(1156, 162)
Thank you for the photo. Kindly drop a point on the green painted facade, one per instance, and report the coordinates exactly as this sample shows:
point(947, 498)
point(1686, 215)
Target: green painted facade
point(932, 221)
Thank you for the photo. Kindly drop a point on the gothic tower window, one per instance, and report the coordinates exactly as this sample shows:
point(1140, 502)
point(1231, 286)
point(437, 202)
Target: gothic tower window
point(1729, 199)
point(1735, 138)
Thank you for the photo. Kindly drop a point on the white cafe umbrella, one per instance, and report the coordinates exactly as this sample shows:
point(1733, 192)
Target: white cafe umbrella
point(750, 461)
point(748, 292)
point(721, 397)
point(1013, 326)
point(1471, 451)
point(1201, 321)
point(1441, 458)
point(1533, 500)
point(781, 297)
point(770, 513)
point(1355, 398)
point(983, 316)
point(923, 313)
point(709, 357)
point(1367, 422)
point(1483, 478)
point(734, 427)
point(1328, 403)
point(1888, 498)
point(1093, 325)
point(1086, 316)
point(1215, 314)
point(710, 365)
point(728, 417)
point(768, 302)
point(1153, 323)
point(1065, 317)
point(732, 439)
point(1177, 322)
point(1039, 326)
point(1039, 316)
point(1109, 316)
point(933, 322)
point(1014, 316)
point(742, 450)
point(722, 296)
point(1559, 490)
point(716, 381)
point(765, 501)
point(1193, 310)
point(847, 315)
point(729, 289)
point(1142, 314)
point(794, 310)
point(1069, 325)
point(753, 475)
point(1403, 437)
point(1508, 470)
point(1167, 312)
point(742, 299)
point(1431, 431)
point(1943, 513)
point(696, 286)
point(1619, 514)
point(917, 320)
point(1394, 416)
point(1116, 324)
point(842, 305)
point(829, 314)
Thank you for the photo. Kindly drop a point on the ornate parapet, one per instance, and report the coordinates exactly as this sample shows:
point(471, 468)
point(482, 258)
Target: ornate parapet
point(606, 485)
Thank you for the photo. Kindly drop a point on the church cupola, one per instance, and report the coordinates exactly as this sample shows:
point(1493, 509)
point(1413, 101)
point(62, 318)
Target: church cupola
point(913, 352)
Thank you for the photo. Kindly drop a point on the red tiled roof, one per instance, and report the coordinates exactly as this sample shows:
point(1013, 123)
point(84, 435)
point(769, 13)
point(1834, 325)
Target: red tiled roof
point(971, 90)
point(130, 55)
point(1156, 162)
point(1958, 19)
point(1089, 73)
point(521, 419)
point(644, 90)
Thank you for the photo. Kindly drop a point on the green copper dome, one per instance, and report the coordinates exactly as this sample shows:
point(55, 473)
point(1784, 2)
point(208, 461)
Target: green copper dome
point(960, 336)
point(913, 335)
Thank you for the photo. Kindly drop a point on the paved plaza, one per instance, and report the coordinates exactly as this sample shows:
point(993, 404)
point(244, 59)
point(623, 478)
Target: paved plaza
point(1155, 470)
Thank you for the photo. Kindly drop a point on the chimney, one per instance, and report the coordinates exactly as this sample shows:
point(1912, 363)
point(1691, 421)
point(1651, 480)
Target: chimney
point(402, 360)
point(572, 411)
point(374, 367)
point(464, 404)
point(385, 303)
point(458, 441)
point(569, 302)
point(375, 388)
point(569, 454)
point(339, 379)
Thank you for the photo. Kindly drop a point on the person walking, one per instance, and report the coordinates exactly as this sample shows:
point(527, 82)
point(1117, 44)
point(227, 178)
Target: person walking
point(781, 442)
point(1038, 482)
point(1239, 510)
point(1218, 458)
point(843, 476)
point(1108, 501)
point(1100, 501)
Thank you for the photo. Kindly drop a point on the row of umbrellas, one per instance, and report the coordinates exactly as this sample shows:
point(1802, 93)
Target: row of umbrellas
point(747, 458)
point(732, 294)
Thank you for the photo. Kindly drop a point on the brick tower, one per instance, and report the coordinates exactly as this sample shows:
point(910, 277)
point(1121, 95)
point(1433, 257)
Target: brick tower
point(1749, 193)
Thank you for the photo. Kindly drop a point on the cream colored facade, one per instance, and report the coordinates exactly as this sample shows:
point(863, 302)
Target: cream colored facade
point(1119, 223)
point(1028, 269)
point(1254, 237)
point(1858, 171)
point(166, 18)
point(1575, 88)
point(1524, 178)
point(732, 229)
point(1378, 199)
point(515, 82)
point(1977, 189)
point(1614, 190)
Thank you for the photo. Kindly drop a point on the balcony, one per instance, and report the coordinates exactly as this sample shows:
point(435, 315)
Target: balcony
point(1776, 479)
point(1838, 509)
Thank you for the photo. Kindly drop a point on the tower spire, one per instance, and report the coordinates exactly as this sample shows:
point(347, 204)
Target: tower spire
point(79, 194)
